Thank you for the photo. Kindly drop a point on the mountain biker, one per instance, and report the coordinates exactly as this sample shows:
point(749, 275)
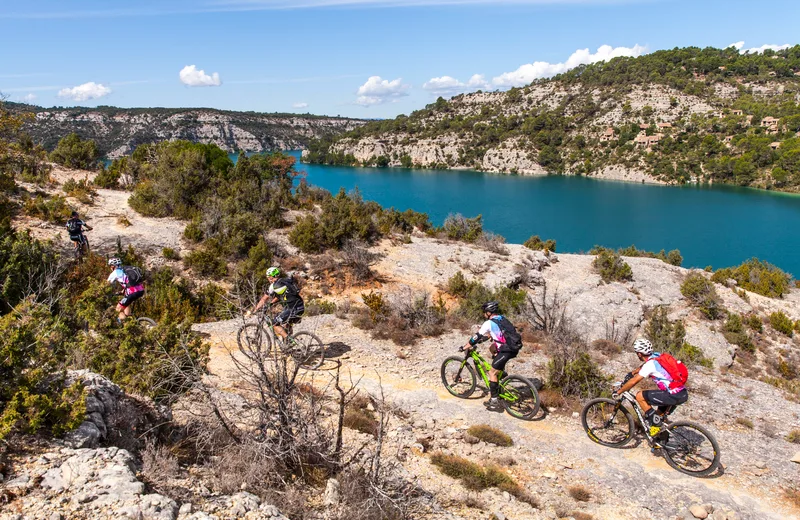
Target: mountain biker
point(75, 229)
point(496, 328)
point(282, 290)
point(662, 400)
point(130, 291)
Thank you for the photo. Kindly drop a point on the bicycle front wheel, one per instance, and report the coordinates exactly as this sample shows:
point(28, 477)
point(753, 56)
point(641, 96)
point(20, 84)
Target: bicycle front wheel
point(146, 323)
point(607, 422)
point(459, 377)
point(520, 397)
point(689, 448)
point(253, 338)
point(307, 349)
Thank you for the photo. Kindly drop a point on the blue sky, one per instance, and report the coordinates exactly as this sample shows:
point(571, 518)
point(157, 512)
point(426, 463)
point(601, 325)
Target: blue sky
point(359, 58)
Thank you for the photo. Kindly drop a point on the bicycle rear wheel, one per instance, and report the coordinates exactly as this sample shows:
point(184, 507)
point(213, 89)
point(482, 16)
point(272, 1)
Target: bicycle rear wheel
point(307, 349)
point(519, 397)
point(459, 377)
point(607, 422)
point(253, 338)
point(146, 323)
point(689, 448)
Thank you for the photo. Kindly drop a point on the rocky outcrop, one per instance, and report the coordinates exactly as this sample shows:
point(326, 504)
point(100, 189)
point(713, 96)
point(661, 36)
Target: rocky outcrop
point(118, 131)
point(102, 400)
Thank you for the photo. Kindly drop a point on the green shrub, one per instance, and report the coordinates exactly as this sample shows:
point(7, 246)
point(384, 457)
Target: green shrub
point(673, 257)
point(107, 178)
point(208, 260)
point(535, 243)
point(170, 254)
point(34, 396)
point(193, 231)
point(754, 322)
point(734, 332)
point(472, 295)
point(73, 152)
point(794, 437)
point(781, 323)
point(486, 433)
point(80, 190)
point(702, 294)
point(611, 267)
point(306, 235)
point(50, 209)
point(756, 276)
point(316, 307)
point(668, 336)
point(691, 355)
point(743, 421)
point(458, 227)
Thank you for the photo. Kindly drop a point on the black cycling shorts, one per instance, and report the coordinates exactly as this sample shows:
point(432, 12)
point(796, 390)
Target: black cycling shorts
point(664, 398)
point(290, 315)
point(76, 238)
point(129, 299)
point(501, 358)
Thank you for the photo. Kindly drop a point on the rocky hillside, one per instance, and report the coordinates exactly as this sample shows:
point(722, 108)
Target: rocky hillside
point(118, 131)
point(686, 115)
point(745, 392)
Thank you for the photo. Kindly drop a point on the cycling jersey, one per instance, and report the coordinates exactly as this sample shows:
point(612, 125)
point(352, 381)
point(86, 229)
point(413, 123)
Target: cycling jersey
point(118, 275)
point(287, 293)
point(656, 372)
point(75, 227)
point(492, 330)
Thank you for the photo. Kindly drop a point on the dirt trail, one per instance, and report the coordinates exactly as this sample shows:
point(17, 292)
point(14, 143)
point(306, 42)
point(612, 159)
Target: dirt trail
point(552, 452)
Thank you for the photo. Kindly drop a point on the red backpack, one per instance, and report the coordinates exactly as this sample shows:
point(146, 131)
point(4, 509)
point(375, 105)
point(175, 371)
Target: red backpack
point(676, 370)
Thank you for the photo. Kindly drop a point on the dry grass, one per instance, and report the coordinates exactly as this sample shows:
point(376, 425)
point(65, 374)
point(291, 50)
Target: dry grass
point(743, 421)
point(579, 493)
point(505, 460)
point(159, 466)
point(792, 496)
point(606, 347)
point(477, 478)
point(473, 501)
point(123, 221)
point(794, 437)
point(361, 420)
point(580, 515)
point(490, 435)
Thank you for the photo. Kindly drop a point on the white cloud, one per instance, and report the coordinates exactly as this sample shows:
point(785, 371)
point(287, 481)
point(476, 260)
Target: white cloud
point(738, 45)
point(30, 97)
point(300, 105)
point(198, 78)
point(758, 50)
point(449, 86)
point(85, 92)
point(542, 69)
point(377, 91)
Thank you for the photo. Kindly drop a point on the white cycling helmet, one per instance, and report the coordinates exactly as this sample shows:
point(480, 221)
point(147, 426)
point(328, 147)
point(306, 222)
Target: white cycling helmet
point(116, 262)
point(643, 346)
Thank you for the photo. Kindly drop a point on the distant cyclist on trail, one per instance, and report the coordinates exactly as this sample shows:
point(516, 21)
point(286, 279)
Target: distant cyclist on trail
point(132, 282)
point(282, 290)
point(505, 345)
point(668, 374)
point(75, 229)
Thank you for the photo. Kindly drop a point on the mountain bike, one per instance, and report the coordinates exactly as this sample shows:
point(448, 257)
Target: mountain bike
point(686, 446)
point(304, 347)
point(83, 247)
point(517, 393)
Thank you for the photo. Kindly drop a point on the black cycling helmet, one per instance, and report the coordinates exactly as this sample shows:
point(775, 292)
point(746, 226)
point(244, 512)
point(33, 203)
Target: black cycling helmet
point(74, 214)
point(492, 307)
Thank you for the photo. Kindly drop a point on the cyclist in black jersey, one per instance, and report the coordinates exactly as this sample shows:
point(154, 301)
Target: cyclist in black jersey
point(282, 290)
point(75, 229)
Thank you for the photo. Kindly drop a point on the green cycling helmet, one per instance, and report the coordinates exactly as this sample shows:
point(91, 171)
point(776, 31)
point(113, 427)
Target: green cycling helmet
point(273, 272)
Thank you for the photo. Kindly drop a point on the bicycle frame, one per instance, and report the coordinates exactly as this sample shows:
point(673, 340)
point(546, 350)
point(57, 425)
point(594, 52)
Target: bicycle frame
point(483, 366)
point(630, 398)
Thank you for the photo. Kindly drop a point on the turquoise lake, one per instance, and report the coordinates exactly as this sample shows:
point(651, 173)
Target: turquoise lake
point(719, 226)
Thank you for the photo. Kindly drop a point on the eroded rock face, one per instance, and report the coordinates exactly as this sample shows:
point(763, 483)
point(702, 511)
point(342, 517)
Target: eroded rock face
point(102, 400)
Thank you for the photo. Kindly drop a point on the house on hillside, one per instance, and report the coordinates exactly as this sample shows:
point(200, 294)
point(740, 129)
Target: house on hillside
point(749, 120)
point(775, 145)
point(664, 125)
point(647, 141)
point(773, 73)
point(728, 139)
point(608, 135)
point(643, 126)
point(771, 124)
point(737, 112)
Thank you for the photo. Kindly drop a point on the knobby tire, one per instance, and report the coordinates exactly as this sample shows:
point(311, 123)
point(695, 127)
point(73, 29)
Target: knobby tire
point(460, 381)
point(607, 422)
point(525, 402)
point(683, 449)
point(253, 337)
point(307, 350)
